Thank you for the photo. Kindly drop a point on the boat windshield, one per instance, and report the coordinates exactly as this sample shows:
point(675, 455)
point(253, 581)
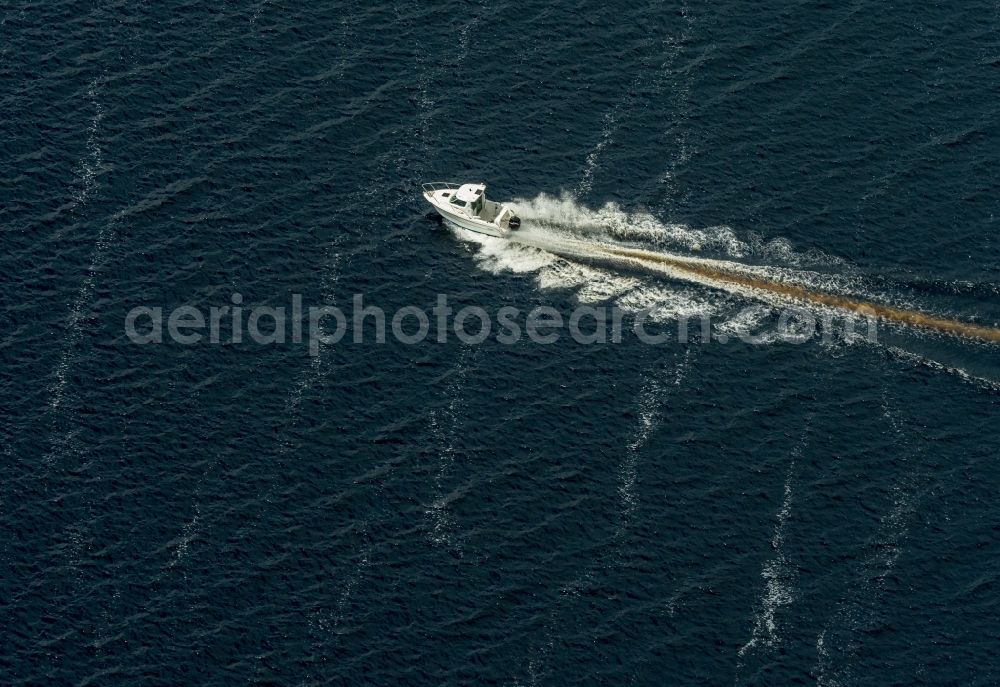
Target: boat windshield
point(459, 203)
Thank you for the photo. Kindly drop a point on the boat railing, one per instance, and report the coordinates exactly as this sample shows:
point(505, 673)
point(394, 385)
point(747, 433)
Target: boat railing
point(432, 186)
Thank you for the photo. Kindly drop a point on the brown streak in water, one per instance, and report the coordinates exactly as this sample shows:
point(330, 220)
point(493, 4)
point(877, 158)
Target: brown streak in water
point(908, 317)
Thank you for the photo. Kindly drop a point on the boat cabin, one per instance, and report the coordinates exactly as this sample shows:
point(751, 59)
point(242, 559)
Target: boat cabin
point(470, 198)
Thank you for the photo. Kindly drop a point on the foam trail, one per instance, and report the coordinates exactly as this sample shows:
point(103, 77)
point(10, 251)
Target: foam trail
point(779, 577)
point(445, 426)
point(837, 644)
point(329, 621)
point(964, 375)
point(567, 246)
point(676, 137)
point(727, 274)
point(741, 278)
point(89, 167)
point(655, 393)
point(651, 78)
point(76, 541)
point(779, 574)
point(608, 129)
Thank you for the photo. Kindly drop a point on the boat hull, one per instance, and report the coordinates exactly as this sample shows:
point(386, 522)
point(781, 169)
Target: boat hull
point(478, 227)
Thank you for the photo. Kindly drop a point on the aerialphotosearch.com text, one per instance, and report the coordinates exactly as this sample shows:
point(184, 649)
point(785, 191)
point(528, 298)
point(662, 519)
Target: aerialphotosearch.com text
point(327, 325)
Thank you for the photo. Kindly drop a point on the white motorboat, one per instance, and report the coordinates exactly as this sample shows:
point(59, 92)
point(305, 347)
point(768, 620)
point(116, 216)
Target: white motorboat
point(466, 206)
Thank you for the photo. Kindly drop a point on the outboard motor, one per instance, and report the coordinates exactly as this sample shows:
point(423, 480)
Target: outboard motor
point(515, 222)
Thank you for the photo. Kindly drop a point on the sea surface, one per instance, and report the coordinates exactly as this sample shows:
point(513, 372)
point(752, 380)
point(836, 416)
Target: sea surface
point(823, 512)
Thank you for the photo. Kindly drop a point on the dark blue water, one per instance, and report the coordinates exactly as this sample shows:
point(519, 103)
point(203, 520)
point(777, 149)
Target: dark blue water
point(698, 513)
